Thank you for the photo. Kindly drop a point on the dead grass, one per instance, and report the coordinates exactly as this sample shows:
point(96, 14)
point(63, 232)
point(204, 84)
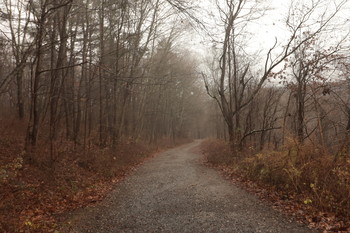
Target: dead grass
point(303, 173)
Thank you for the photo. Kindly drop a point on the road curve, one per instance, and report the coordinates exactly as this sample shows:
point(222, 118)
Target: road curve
point(174, 192)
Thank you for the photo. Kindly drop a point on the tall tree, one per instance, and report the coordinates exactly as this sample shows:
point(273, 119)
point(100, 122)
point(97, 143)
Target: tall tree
point(231, 90)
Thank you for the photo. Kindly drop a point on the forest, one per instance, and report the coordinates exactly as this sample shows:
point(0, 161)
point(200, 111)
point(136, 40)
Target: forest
point(91, 88)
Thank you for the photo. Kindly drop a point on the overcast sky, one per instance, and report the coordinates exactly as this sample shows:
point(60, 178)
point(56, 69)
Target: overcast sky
point(263, 31)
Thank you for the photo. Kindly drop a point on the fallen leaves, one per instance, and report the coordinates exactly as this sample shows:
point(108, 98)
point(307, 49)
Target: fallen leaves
point(291, 204)
point(35, 198)
point(296, 205)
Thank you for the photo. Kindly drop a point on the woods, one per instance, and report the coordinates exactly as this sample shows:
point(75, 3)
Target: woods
point(88, 90)
point(300, 66)
point(285, 107)
point(82, 80)
point(94, 72)
point(99, 71)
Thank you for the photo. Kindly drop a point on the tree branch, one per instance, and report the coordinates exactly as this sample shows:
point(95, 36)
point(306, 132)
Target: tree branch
point(258, 131)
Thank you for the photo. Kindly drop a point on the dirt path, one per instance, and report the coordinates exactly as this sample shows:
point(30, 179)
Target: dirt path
point(175, 193)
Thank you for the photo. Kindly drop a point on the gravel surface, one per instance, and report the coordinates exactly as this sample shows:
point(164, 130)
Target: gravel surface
point(174, 192)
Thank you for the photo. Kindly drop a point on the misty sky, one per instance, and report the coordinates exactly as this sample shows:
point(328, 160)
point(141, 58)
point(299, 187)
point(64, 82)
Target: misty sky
point(262, 31)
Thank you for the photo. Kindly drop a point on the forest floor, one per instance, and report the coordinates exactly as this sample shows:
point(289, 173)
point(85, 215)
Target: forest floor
point(177, 192)
point(266, 176)
point(34, 196)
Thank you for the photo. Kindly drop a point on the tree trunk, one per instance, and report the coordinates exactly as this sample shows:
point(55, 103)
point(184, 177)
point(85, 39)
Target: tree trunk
point(20, 104)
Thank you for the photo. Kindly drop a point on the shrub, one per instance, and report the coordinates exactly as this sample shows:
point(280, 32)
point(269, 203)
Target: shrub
point(302, 169)
point(217, 152)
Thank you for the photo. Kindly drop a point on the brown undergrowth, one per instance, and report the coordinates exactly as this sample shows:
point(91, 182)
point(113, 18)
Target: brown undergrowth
point(303, 180)
point(35, 195)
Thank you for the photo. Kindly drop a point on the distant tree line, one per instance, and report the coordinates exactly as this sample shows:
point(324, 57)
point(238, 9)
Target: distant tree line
point(96, 72)
point(101, 72)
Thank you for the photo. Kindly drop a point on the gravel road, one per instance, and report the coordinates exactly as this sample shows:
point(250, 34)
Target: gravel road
point(174, 192)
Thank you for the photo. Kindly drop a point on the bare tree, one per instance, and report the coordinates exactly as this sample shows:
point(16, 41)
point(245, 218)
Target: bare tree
point(231, 88)
point(18, 21)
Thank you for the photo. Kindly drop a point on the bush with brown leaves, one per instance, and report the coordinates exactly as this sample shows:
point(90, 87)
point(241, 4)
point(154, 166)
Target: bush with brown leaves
point(318, 178)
